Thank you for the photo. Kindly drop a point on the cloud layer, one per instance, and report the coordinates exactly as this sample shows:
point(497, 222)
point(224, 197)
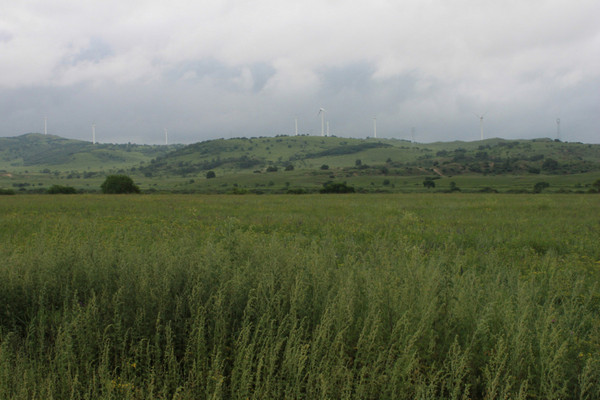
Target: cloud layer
point(206, 69)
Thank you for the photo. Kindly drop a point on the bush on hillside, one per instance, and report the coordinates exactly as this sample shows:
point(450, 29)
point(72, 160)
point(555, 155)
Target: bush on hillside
point(540, 186)
point(337, 187)
point(117, 184)
point(59, 189)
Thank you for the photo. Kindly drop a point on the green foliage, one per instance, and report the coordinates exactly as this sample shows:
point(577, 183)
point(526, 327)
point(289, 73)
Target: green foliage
point(289, 167)
point(352, 297)
point(6, 191)
point(59, 189)
point(271, 168)
point(336, 187)
point(550, 165)
point(324, 167)
point(429, 183)
point(211, 175)
point(540, 186)
point(596, 185)
point(119, 184)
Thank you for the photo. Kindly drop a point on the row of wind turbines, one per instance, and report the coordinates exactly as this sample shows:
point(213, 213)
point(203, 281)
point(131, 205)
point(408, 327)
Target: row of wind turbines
point(324, 127)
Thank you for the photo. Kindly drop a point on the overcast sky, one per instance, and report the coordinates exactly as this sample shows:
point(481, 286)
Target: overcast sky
point(205, 69)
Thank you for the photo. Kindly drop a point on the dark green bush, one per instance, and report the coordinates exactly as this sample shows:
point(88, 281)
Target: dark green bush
point(539, 186)
point(117, 184)
point(337, 187)
point(59, 189)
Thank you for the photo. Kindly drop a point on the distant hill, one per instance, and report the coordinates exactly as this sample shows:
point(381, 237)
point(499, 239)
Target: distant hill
point(37, 151)
point(302, 164)
point(371, 156)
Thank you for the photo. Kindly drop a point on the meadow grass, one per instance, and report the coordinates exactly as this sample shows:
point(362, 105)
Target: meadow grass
point(302, 297)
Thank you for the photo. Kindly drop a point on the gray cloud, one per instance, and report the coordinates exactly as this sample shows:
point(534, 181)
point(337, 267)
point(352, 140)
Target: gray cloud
point(219, 69)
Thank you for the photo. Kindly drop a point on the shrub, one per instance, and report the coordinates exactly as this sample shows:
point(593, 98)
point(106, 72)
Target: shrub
point(6, 191)
point(117, 184)
point(428, 183)
point(59, 189)
point(210, 175)
point(550, 165)
point(539, 186)
point(453, 187)
point(271, 168)
point(324, 167)
point(339, 187)
point(289, 167)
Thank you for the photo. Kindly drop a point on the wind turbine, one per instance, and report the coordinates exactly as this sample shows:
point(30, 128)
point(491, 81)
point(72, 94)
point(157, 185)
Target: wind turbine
point(375, 127)
point(322, 112)
point(93, 133)
point(558, 128)
point(481, 122)
point(166, 137)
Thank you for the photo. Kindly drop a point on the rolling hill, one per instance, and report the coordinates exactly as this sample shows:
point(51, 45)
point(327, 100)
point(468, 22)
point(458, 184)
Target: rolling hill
point(37, 152)
point(283, 164)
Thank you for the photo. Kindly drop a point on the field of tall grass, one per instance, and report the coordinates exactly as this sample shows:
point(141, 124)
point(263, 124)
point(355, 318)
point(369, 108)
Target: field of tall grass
point(301, 297)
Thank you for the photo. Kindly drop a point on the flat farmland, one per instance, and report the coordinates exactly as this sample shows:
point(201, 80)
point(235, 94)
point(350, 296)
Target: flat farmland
point(429, 296)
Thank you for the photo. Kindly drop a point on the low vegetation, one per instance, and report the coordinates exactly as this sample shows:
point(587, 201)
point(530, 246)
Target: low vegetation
point(340, 297)
point(119, 184)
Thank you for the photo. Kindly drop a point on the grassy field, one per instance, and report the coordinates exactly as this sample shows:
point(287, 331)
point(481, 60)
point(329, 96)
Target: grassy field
point(336, 297)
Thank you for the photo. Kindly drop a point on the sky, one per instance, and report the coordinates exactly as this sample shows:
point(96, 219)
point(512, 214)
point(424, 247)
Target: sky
point(207, 69)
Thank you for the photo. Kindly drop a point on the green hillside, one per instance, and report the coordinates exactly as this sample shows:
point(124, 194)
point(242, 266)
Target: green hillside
point(297, 164)
point(37, 152)
point(493, 156)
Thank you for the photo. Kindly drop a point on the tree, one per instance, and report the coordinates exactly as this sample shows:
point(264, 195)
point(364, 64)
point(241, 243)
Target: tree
point(428, 183)
point(539, 186)
point(336, 187)
point(210, 175)
point(324, 167)
point(117, 184)
point(596, 185)
point(550, 164)
point(58, 189)
point(289, 167)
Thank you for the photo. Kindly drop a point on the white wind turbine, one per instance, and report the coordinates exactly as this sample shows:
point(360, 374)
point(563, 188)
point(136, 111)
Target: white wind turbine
point(322, 112)
point(481, 122)
point(375, 127)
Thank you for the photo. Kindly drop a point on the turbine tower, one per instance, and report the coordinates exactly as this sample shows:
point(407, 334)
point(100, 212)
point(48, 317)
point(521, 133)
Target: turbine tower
point(375, 127)
point(166, 137)
point(93, 133)
point(481, 122)
point(322, 112)
point(558, 128)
